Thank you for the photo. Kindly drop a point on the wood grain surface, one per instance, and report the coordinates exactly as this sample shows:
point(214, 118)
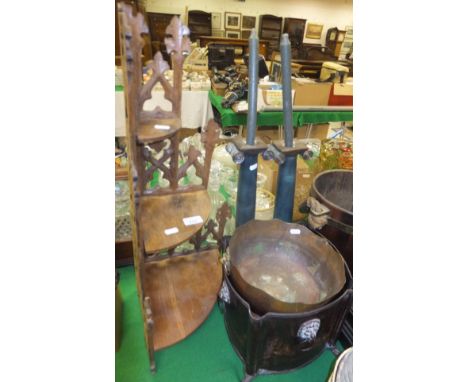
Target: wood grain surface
point(147, 133)
point(162, 212)
point(183, 291)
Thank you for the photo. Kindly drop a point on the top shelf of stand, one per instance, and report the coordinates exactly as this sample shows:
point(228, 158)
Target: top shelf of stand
point(157, 130)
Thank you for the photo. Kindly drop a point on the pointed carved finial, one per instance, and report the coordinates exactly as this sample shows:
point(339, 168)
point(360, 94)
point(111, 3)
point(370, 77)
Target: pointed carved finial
point(177, 39)
point(223, 213)
point(211, 135)
point(134, 25)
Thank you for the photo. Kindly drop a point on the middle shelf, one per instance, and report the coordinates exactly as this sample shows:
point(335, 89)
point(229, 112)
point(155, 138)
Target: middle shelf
point(162, 218)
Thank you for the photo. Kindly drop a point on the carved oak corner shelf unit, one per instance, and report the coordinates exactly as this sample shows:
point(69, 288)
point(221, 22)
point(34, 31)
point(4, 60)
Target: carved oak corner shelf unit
point(177, 287)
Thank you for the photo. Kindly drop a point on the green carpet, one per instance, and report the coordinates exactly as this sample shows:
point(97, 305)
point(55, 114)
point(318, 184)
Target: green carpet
point(205, 356)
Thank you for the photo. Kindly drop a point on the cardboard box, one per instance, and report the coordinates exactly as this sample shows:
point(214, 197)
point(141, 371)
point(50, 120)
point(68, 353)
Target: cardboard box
point(270, 169)
point(341, 95)
point(268, 133)
point(265, 133)
point(272, 97)
point(197, 66)
point(304, 179)
point(319, 131)
point(219, 88)
point(310, 93)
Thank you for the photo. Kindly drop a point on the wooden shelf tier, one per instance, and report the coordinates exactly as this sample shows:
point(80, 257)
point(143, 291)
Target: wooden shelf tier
point(162, 212)
point(183, 291)
point(147, 133)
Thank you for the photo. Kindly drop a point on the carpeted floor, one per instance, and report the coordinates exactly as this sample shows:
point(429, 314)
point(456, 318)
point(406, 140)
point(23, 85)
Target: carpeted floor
point(205, 356)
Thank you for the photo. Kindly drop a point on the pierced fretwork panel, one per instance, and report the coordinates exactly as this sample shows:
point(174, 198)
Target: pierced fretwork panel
point(212, 232)
point(157, 157)
point(215, 230)
point(158, 66)
point(209, 138)
point(178, 46)
point(163, 156)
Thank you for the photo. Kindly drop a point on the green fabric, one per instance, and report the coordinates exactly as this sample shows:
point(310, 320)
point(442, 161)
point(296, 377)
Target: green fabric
point(204, 356)
point(324, 117)
point(275, 118)
point(231, 118)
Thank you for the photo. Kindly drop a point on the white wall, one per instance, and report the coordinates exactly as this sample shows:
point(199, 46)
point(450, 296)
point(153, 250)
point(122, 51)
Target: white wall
point(330, 13)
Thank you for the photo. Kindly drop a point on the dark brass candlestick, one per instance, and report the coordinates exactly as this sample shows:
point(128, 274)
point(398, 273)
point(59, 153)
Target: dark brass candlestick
point(245, 152)
point(285, 154)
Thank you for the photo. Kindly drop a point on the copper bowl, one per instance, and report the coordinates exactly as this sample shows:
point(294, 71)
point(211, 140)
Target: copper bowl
point(284, 267)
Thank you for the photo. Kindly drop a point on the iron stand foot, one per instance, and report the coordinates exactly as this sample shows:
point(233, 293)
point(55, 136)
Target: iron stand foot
point(248, 378)
point(336, 352)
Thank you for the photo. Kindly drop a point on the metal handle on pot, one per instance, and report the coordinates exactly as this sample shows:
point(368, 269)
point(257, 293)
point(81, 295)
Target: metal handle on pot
point(318, 216)
point(226, 261)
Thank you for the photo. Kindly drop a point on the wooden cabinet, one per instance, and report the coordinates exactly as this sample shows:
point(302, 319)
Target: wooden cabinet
point(347, 47)
point(270, 30)
point(157, 23)
point(243, 43)
point(334, 40)
point(199, 23)
point(295, 29)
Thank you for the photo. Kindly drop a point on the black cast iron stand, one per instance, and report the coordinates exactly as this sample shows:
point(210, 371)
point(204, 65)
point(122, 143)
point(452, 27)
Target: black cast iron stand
point(245, 152)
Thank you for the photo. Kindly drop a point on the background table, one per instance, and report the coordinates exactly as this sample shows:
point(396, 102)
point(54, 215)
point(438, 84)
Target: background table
point(227, 117)
point(196, 108)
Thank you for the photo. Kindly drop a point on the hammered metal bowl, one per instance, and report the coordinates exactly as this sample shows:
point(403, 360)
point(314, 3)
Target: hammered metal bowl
point(284, 267)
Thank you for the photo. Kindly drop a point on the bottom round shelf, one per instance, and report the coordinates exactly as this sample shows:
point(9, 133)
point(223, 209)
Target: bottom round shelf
point(183, 291)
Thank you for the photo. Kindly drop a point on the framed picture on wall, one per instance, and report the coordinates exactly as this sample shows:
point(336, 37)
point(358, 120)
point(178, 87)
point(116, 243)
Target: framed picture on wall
point(245, 34)
point(314, 31)
point(275, 72)
point(215, 20)
point(248, 22)
point(233, 34)
point(217, 32)
point(232, 20)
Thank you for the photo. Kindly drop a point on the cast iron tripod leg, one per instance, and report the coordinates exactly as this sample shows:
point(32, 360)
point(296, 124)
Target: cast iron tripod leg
point(248, 378)
point(332, 347)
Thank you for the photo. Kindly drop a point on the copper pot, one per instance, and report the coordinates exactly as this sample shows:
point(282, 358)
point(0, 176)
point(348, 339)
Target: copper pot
point(284, 267)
